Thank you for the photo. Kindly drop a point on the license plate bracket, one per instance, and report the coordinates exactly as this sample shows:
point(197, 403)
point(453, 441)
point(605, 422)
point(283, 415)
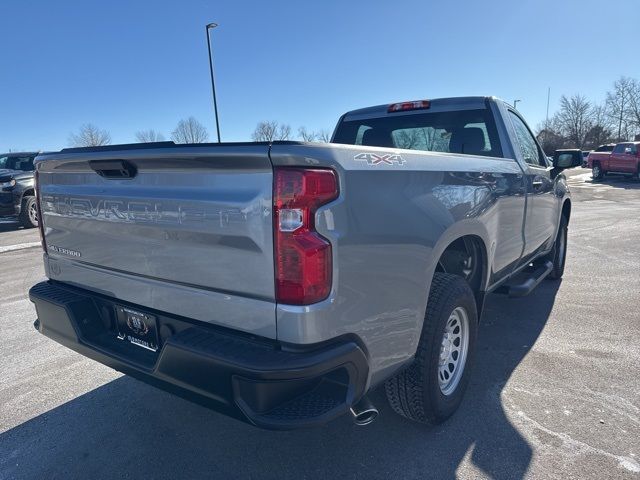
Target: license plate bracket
point(137, 328)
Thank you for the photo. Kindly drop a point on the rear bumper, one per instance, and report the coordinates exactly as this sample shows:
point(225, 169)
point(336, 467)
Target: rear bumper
point(249, 378)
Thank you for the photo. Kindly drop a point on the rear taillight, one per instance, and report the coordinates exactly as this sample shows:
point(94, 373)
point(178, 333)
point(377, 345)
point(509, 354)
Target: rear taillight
point(39, 210)
point(303, 258)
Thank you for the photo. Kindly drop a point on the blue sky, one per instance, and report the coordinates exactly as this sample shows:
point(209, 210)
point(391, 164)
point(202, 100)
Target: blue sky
point(131, 65)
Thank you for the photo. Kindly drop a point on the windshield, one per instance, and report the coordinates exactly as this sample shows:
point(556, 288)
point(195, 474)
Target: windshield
point(466, 131)
point(24, 163)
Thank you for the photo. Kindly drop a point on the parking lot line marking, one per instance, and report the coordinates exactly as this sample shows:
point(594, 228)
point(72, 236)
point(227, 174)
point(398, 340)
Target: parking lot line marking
point(19, 246)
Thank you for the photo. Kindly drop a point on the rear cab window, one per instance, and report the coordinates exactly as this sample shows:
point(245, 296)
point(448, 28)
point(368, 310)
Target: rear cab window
point(471, 132)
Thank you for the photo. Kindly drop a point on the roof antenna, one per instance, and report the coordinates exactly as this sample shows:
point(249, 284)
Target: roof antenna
point(213, 83)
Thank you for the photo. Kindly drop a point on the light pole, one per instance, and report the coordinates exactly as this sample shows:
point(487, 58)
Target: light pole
point(546, 120)
point(213, 83)
point(515, 104)
point(620, 124)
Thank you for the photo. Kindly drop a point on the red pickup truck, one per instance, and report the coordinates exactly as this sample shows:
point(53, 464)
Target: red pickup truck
point(624, 159)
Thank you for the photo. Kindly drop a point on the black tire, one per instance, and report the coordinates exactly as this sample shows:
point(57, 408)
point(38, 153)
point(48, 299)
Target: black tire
point(28, 214)
point(596, 172)
point(415, 393)
point(559, 253)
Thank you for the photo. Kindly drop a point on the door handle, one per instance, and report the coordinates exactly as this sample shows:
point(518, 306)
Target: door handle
point(113, 169)
point(537, 184)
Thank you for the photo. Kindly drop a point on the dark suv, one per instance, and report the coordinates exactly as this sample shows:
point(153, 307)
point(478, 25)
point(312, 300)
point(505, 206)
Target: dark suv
point(17, 197)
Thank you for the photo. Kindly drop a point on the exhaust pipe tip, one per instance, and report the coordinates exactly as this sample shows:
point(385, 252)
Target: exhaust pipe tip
point(363, 412)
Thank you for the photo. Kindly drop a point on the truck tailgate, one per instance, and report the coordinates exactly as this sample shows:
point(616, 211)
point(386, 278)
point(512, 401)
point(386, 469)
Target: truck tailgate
point(181, 229)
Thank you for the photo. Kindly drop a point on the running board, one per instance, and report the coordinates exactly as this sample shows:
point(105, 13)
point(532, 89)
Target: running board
point(527, 286)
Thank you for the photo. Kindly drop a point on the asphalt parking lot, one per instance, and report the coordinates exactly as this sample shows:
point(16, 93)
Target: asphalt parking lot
point(555, 391)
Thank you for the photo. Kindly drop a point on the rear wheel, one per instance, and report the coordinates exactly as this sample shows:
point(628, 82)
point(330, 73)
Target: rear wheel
point(29, 212)
point(431, 389)
point(596, 172)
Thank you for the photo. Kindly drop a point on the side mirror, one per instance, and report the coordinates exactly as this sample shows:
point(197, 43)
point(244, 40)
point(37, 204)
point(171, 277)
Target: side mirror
point(564, 160)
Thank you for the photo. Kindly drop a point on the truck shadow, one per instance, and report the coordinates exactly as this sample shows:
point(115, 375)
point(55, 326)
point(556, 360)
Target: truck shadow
point(616, 181)
point(126, 428)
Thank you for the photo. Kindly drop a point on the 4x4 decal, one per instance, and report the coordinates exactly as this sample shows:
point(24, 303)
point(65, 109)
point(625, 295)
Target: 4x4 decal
point(376, 159)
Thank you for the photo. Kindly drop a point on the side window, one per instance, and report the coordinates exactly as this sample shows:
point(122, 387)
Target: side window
point(23, 163)
point(526, 142)
point(619, 148)
point(28, 164)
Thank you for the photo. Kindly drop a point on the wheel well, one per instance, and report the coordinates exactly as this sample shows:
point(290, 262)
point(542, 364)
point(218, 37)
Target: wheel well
point(467, 257)
point(566, 210)
point(29, 192)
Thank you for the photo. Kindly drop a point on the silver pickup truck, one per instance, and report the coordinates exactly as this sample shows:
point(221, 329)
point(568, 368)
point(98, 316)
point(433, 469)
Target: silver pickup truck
point(280, 282)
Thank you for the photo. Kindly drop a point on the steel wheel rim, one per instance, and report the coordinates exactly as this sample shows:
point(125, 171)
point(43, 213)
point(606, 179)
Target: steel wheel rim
point(453, 351)
point(33, 213)
point(596, 171)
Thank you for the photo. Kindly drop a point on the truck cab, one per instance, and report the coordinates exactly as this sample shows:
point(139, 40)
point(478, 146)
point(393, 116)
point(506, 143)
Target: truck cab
point(623, 159)
point(17, 194)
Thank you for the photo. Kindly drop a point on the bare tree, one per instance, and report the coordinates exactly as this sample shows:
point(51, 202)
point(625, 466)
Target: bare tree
point(435, 140)
point(633, 111)
point(581, 124)
point(568, 125)
point(550, 139)
point(598, 135)
point(324, 136)
point(271, 131)
point(410, 138)
point(574, 119)
point(190, 131)
point(284, 132)
point(265, 132)
point(149, 136)
point(618, 106)
point(601, 131)
point(89, 136)
point(307, 136)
